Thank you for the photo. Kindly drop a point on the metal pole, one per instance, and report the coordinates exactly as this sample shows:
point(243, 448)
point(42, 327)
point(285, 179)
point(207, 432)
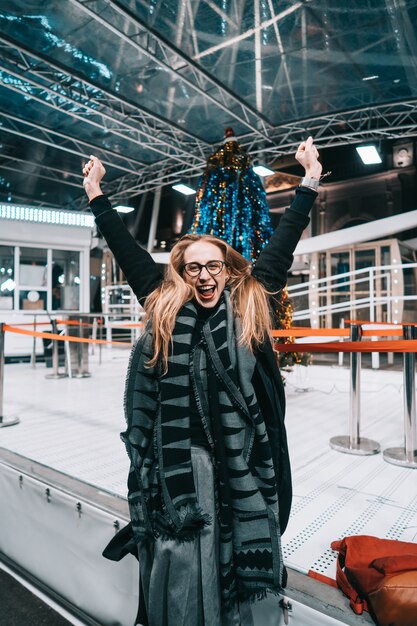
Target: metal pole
point(94, 337)
point(101, 338)
point(341, 354)
point(407, 456)
point(55, 356)
point(80, 360)
point(33, 359)
point(154, 219)
point(372, 307)
point(4, 421)
point(355, 387)
point(354, 443)
point(82, 372)
point(68, 356)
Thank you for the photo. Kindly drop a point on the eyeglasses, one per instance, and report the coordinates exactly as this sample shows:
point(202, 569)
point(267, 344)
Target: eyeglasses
point(195, 269)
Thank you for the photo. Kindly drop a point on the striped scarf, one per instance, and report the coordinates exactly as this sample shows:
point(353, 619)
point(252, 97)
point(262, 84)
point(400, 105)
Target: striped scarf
point(162, 496)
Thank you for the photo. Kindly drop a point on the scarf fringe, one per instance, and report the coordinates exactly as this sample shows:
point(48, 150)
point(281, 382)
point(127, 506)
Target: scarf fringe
point(261, 594)
point(252, 596)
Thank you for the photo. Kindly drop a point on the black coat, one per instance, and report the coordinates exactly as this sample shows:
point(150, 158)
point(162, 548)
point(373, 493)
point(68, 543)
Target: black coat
point(271, 270)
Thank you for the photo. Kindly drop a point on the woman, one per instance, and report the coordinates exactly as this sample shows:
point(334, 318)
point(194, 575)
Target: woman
point(209, 484)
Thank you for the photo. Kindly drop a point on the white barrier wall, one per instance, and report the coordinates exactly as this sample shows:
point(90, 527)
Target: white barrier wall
point(60, 543)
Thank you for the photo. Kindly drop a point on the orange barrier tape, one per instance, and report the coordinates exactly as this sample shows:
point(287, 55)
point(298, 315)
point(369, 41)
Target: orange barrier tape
point(311, 332)
point(73, 323)
point(350, 346)
point(394, 332)
point(34, 333)
point(334, 332)
point(331, 346)
point(34, 324)
point(138, 325)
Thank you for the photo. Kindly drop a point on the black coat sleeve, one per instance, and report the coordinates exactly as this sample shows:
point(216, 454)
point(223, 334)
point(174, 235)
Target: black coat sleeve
point(137, 265)
point(276, 258)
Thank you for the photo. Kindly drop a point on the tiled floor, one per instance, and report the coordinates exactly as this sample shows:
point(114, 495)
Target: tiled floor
point(73, 426)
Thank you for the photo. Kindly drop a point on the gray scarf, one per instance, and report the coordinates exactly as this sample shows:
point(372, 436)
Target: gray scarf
point(162, 497)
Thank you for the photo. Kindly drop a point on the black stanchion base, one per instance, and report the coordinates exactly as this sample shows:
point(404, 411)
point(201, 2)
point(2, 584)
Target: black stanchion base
point(362, 447)
point(399, 456)
point(8, 421)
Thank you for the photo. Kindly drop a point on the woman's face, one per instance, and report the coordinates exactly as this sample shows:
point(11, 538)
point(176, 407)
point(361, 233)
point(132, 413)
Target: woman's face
point(208, 286)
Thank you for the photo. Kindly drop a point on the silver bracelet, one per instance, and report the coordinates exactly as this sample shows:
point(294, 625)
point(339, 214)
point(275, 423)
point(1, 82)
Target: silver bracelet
point(313, 183)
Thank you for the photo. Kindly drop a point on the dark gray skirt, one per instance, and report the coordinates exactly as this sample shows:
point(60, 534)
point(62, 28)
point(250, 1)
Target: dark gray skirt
point(181, 582)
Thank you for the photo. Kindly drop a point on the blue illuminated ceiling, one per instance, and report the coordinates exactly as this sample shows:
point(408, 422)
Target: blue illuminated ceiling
point(149, 86)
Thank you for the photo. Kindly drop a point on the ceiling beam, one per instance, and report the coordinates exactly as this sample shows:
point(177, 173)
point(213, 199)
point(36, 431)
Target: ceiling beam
point(165, 54)
point(41, 134)
point(124, 106)
point(40, 170)
point(390, 121)
point(63, 92)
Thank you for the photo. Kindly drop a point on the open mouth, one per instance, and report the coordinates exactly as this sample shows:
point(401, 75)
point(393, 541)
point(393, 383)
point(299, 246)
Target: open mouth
point(206, 292)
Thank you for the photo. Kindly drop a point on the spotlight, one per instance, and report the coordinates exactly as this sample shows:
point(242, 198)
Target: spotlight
point(185, 189)
point(124, 209)
point(261, 170)
point(369, 155)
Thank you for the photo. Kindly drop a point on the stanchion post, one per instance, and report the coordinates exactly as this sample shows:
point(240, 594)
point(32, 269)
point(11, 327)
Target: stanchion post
point(101, 338)
point(68, 364)
point(33, 358)
point(407, 456)
point(81, 373)
point(55, 356)
point(354, 443)
point(4, 421)
point(341, 354)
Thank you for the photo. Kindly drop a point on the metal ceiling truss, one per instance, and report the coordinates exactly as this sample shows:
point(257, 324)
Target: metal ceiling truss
point(149, 179)
point(386, 121)
point(168, 132)
point(150, 43)
point(58, 89)
point(51, 174)
point(389, 121)
point(60, 141)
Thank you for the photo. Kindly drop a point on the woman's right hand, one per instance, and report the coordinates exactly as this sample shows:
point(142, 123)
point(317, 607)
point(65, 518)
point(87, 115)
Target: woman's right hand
point(93, 172)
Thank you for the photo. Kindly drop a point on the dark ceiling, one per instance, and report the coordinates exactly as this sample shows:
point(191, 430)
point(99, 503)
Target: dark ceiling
point(149, 86)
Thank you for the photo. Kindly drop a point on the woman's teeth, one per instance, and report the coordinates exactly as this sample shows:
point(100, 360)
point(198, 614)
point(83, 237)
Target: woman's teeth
point(206, 292)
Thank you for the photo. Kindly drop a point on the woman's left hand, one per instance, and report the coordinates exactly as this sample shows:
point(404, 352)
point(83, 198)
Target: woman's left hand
point(308, 156)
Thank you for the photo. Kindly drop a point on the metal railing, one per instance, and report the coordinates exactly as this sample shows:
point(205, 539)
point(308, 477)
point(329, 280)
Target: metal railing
point(370, 288)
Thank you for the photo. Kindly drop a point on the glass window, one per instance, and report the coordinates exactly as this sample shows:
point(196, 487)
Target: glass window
point(32, 267)
point(31, 299)
point(65, 280)
point(7, 283)
point(32, 278)
point(385, 255)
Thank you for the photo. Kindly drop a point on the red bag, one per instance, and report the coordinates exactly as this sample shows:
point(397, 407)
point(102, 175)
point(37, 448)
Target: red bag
point(380, 576)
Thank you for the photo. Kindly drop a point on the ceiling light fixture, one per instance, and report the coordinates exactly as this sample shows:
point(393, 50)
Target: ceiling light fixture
point(185, 189)
point(124, 209)
point(369, 155)
point(261, 170)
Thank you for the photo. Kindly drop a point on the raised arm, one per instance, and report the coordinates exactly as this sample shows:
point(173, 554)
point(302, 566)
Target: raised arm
point(276, 258)
point(137, 265)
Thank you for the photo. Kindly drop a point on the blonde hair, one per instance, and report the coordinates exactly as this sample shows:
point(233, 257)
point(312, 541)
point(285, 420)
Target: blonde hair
point(249, 299)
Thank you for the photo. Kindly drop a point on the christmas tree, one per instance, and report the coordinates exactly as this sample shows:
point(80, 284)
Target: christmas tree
point(283, 314)
point(231, 204)
point(231, 201)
